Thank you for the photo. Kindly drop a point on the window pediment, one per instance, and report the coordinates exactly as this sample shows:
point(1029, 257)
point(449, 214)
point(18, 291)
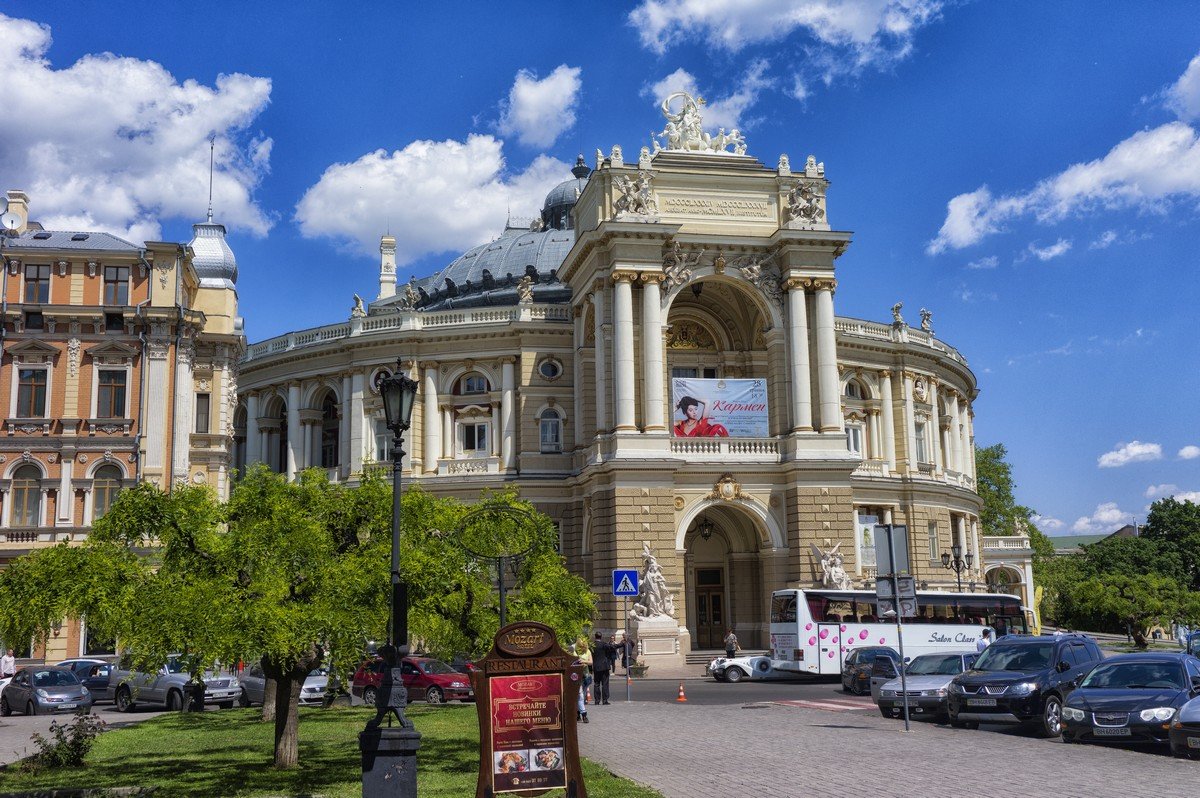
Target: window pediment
point(474, 411)
point(33, 351)
point(112, 353)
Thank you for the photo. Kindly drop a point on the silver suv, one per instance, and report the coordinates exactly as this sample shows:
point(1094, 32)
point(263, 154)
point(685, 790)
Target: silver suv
point(167, 688)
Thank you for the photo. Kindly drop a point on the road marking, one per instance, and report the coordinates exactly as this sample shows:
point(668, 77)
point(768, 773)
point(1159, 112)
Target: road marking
point(830, 705)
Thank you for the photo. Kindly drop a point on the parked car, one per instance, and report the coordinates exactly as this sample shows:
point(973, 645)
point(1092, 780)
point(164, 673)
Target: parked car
point(1185, 730)
point(857, 667)
point(93, 673)
point(427, 678)
point(44, 690)
point(756, 666)
point(1130, 698)
point(1021, 679)
point(928, 680)
point(1192, 644)
point(168, 686)
point(312, 692)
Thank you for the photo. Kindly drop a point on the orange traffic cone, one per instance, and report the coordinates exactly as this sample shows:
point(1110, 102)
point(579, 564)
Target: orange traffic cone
point(682, 698)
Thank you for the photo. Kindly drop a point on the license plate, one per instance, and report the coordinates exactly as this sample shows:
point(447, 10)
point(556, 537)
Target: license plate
point(1122, 732)
point(1194, 742)
point(981, 702)
point(67, 706)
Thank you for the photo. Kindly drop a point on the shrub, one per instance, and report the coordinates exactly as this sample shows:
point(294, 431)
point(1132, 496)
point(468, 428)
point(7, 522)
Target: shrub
point(68, 743)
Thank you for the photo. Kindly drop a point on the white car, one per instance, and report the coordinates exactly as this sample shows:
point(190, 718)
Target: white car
point(758, 668)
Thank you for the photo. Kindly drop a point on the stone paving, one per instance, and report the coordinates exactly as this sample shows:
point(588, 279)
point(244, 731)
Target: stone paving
point(775, 751)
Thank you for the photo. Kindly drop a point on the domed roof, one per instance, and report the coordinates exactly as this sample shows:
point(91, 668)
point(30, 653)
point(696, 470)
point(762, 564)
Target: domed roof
point(213, 259)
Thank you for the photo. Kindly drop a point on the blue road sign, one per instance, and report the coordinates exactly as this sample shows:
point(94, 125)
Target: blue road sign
point(625, 582)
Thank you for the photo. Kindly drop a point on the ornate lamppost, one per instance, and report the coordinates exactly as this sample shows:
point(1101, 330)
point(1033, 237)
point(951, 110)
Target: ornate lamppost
point(389, 754)
point(958, 564)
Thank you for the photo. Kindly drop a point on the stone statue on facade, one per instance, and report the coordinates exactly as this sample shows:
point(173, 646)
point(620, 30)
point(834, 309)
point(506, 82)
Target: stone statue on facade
point(897, 319)
point(654, 599)
point(833, 568)
point(359, 310)
point(677, 266)
point(763, 274)
point(409, 299)
point(525, 291)
point(684, 129)
point(805, 201)
point(636, 196)
point(927, 320)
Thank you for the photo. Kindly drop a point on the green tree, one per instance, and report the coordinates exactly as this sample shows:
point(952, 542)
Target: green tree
point(1176, 524)
point(1001, 515)
point(1133, 557)
point(1117, 602)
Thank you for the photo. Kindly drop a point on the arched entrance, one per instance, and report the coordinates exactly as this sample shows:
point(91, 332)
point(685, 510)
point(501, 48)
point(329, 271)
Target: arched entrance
point(724, 555)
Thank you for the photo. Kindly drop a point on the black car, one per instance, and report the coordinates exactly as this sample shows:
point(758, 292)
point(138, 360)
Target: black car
point(1022, 679)
point(92, 672)
point(1192, 644)
point(1130, 698)
point(856, 668)
point(1185, 730)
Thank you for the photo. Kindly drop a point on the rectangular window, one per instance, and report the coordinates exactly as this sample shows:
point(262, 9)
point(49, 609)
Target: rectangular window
point(854, 439)
point(383, 440)
point(31, 393)
point(37, 284)
point(551, 433)
point(934, 552)
point(710, 374)
point(474, 384)
point(922, 450)
point(114, 322)
point(35, 321)
point(116, 285)
point(685, 373)
point(202, 405)
point(475, 438)
point(110, 394)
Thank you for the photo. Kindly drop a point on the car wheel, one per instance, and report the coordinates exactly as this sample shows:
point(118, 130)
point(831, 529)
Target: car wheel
point(434, 695)
point(733, 675)
point(123, 701)
point(174, 701)
point(225, 705)
point(845, 687)
point(31, 708)
point(5, 709)
point(1052, 717)
point(243, 699)
point(856, 689)
point(369, 694)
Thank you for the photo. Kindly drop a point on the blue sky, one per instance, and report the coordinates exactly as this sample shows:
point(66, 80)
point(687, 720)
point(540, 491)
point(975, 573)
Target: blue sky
point(1028, 171)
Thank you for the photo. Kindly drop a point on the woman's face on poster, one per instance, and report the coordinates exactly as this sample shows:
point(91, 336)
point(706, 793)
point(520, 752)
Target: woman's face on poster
point(693, 412)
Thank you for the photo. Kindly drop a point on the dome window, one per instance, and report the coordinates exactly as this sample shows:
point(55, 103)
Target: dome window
point(550, 369)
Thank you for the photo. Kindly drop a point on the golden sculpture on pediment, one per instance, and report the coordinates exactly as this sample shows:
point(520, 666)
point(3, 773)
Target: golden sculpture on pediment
point(689, 335)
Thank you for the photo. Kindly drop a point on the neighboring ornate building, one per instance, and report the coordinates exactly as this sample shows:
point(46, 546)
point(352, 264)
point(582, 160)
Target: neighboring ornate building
point(119, 365)
point(545, 359)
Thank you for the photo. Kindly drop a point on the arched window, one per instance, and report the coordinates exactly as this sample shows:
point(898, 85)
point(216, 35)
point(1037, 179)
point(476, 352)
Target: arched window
point(472, 384)
point(854, 390)
point(26, 496)
point(550, 426)
point(329, 432)
point(106, 484)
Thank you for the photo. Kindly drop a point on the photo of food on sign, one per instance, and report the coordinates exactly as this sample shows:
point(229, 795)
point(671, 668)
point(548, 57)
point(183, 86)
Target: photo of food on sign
point(548, 759)
point(512, 761)
point(708, 408)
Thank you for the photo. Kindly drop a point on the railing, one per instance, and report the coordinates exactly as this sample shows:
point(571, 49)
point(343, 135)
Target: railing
point(46, 535)
point(742, 449)
point(870, 468)
point(886, 332)
point(1007, 542)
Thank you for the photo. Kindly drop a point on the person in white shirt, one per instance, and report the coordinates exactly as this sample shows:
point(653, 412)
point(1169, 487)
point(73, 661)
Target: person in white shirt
point(985, 639)
point(8, 664)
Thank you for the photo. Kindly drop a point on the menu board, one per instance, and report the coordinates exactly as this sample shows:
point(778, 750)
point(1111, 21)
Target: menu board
point(527, 732)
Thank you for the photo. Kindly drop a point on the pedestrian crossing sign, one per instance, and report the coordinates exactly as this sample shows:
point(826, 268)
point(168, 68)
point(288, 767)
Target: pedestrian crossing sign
point(625, 582)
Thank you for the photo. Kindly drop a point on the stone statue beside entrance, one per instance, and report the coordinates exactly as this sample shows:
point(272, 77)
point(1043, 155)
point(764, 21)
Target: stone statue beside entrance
point(655, 599)
point(833, 567)
point(651, 621)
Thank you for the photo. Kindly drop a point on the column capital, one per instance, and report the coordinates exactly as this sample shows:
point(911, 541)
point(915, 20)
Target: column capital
point(507, 360)
point(824, 284)
point(428, 364)
point(624, 276)
point(793, 283)
point(885, 374)
point(598, 285)
point(653, 277)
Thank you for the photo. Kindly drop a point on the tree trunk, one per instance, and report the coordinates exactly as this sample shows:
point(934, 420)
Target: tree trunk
point(193, 699)
point(268, 706)
point(287, 719)
point(1139, 638)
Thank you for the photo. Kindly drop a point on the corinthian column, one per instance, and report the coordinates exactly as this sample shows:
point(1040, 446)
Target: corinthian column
point(253, 439)
point(935, 421)
point(827, 371)
point(508, 448)
point(294, 431)
point(431, 421)
point(888, 417)
point(801, 378)
point(601, 364)
point(623, 374)
point(652, 353)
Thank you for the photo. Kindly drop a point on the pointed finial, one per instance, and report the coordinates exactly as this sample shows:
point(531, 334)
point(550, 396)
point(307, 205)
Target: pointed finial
point(581, 170)
point(212, 145)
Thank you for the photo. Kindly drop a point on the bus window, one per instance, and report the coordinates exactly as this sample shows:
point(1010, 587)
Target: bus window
point(783, 608)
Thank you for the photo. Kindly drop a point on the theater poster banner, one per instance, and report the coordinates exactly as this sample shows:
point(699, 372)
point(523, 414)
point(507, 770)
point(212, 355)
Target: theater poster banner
point(719, 408)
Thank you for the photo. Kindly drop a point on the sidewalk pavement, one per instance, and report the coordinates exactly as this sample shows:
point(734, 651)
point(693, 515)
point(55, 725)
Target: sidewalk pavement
point(16, 731)
point(774, 751)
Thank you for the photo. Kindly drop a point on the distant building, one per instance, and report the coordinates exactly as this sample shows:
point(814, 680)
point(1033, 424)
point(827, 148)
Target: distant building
point(119, 364)
point(1073, 544)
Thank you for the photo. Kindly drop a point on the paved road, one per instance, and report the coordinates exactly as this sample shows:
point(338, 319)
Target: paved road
point(16, 730)
point(818, 744)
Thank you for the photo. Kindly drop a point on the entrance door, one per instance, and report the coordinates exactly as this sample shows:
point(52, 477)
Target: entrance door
point(710, 608)
point(829, 645)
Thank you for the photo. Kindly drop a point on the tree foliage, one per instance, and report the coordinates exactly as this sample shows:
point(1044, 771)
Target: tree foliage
point(1001, 515)
point(1176, 525)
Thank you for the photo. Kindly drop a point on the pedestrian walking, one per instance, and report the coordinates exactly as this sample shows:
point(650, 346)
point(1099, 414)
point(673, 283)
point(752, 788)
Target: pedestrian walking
point(581, 706)
point(585, 657)
point(731, 644)
point(985, 639)
point(602, 659)
point(8, 664)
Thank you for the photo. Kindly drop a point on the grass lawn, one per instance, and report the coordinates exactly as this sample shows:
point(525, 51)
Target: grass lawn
point(228, 753)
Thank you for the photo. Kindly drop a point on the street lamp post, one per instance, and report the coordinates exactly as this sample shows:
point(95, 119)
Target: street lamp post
point(958, 564)
point(389, 754)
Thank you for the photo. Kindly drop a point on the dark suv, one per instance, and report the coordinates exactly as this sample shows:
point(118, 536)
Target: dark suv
point(1022, 679)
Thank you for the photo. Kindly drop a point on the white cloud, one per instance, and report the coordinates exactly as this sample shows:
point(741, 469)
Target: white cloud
point(1108, 517)
point(865, 31)
point(1132, 452)
point(116, 143)
point(1154, 491)
point(1183, 97)
point(1057, 249)
point(728, 112)
point(1147, 172)
point(1189, 452)
point(434, 196)
point(1192, 496)
point(990, 262)
point(1106, 238)
point(972, 295)
point(537, 112)
point(1047, 524)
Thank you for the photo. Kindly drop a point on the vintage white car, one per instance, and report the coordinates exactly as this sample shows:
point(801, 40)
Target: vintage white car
point(735, 670)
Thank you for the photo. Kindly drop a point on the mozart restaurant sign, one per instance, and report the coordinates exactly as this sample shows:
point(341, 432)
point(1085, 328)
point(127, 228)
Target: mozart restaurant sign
point(526, 691)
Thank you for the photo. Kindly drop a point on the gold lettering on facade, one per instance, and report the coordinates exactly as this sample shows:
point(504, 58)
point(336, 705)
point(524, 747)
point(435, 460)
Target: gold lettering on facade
point(718, 206)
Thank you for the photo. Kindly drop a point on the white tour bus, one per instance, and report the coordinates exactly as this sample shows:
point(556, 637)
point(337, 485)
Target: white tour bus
point(813, 630)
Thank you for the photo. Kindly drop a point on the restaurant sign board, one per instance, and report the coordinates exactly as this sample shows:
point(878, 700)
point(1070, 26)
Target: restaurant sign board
point(526, 691)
